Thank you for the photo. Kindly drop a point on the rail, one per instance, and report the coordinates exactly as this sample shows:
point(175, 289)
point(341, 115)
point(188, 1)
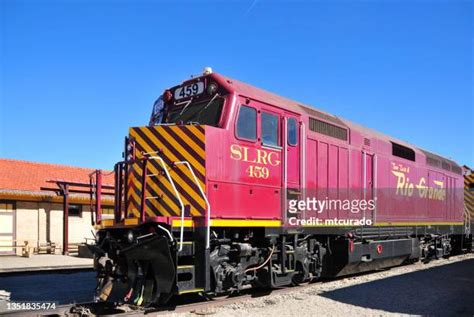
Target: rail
point(208, 215)
point(176, 192)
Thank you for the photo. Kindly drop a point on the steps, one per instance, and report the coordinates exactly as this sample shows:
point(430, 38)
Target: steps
point(192, 262)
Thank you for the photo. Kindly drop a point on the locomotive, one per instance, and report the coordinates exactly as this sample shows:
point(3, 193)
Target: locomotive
point(231, 187)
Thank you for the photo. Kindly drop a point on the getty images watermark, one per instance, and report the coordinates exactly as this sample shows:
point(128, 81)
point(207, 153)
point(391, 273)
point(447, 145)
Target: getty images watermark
point(305, 212)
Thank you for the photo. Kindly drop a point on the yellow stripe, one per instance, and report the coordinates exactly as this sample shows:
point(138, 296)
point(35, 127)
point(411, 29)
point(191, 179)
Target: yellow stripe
point(245, 223)
point(175, 177)
point(155, 187)
point(177, 223)
point(178, 147)
point(198, 132)
point(232, 223)
point(277, 223)
point(194, 290)
point(134, 196)
point(131, 221)
point(190, 142)
point(419, 224)
point(165, 181)
point(104, 223)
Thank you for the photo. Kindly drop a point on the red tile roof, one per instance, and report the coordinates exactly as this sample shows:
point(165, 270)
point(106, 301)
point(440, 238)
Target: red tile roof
point(32, 176)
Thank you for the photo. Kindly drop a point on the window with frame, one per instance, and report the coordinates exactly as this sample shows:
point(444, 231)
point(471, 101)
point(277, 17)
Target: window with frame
point(269, 129)
point(292, 132)
point(6, 207)
point(75, 210)
point(247, 123)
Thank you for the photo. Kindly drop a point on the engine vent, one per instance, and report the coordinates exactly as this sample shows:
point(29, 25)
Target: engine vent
point(456, 169)
point(445, 166)
point(327, 129)
point(440, 162)
point(433, 161)
point(403, 152)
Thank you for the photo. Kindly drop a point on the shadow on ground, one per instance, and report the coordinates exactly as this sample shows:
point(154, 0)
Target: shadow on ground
point(61, 288)
point(442, 290)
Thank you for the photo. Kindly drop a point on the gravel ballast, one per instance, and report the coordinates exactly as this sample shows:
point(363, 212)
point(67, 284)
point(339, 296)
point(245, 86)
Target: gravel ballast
point(441, 287)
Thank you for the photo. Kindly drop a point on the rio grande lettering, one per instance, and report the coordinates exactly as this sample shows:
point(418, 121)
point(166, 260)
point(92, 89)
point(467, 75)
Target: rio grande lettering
point(406, 188)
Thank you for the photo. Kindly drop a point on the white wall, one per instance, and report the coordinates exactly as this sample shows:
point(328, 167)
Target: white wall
point(40, 222)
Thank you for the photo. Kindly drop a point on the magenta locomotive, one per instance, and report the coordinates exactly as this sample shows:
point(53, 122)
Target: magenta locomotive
point(230, 187)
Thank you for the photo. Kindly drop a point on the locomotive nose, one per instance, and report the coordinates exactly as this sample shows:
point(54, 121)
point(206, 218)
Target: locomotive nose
point(168, 171)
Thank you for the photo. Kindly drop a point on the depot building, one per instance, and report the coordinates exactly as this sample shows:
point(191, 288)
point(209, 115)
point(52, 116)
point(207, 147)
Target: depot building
point(32, 200)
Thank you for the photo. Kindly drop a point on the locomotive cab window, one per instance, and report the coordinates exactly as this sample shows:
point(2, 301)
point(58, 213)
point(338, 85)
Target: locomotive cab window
point(292, 132)
point(270, 129)
point(247, 123)
point(204, 112)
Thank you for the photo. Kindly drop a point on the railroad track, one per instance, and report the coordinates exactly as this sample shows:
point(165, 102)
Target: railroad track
point(192, 303)
point(201, 305)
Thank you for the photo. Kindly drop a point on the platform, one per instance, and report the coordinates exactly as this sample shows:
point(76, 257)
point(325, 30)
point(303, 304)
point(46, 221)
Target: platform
point(43, 262)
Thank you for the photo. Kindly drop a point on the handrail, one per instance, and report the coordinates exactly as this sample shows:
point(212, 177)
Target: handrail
point(208, 216)
point(285, 168)
point(303, 163)
point(467, 218)
point(170, 179)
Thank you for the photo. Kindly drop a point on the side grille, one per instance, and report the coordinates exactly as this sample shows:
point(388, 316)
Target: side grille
point(327, 129)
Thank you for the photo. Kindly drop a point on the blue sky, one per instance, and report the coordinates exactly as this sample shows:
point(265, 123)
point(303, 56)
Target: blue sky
point(76, 74)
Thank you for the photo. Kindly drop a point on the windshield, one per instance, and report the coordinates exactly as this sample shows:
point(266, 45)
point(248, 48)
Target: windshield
point(204, 112)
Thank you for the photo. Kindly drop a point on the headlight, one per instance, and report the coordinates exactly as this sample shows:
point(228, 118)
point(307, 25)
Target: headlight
point(130, 236)
point(212, 88)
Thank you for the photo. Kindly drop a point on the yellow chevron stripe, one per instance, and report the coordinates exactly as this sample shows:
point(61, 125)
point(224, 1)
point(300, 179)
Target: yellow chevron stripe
point(155, 187)
point(137, 198)
point(190, 142)
point(133, 196)
point(176, 178)
point(198, 132)
point(167, 184)
point(195, 164)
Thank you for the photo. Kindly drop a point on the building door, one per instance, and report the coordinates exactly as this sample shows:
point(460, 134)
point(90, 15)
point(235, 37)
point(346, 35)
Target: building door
point(7, 228)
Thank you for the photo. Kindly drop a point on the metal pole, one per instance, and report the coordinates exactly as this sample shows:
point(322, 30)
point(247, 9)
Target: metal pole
point(143, 202)
point(98, 196)
point(118, 191)
point(66, 219)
